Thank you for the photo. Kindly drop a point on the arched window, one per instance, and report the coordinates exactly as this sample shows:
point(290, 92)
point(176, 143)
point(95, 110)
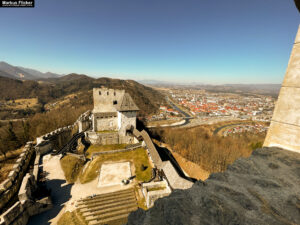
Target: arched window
point(99, 92)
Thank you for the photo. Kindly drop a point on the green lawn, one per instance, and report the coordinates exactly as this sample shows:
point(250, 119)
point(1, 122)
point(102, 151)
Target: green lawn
point(138, 157)
point(103, 148)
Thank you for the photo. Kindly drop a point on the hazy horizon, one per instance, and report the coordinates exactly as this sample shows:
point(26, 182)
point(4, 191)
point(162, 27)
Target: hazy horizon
point(213, 42)
point(147, 81)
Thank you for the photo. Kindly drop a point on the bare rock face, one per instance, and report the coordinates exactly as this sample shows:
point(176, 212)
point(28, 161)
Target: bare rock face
point(263, 189)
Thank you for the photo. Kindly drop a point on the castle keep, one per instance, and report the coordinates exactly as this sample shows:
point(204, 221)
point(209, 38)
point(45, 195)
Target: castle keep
point(114, 114)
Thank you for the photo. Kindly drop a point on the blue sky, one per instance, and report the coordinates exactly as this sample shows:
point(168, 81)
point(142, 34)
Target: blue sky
point(208, 41)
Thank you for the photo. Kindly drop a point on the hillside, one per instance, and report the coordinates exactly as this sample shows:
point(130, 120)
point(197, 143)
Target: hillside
point(263, 189)
point(21, 73)
point(46, 90)
point(15, 72)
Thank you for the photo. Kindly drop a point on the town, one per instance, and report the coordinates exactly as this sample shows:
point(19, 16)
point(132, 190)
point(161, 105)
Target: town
point(203, 107)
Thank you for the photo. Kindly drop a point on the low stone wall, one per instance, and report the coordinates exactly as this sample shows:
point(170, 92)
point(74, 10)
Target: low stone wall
point(10, 186)
point(173, 178)
point(84, 121)
point(105, 138)
point(27, 206)
point(55, 139)
point(152, 195)
point(150, 146)
point(109, 138)
point(36, 166)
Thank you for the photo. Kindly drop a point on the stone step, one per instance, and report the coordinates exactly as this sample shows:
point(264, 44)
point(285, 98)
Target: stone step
point(127, 191)
point(105, 221)
point(111, 214)
point(101, 202)
point(106, 198)
point(98, 204)
point(110, 209)
point(84, 210)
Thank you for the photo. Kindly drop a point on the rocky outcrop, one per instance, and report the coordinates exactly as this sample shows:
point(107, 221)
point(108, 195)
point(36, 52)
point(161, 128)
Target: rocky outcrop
point(262, 189)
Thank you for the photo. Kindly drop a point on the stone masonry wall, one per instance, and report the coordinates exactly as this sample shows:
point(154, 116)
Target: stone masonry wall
point(20, 212)
point(284, 131)
point(10, 186)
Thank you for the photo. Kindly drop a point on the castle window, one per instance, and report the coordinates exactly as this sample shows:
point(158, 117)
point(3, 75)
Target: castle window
point(115, 102)
point(99, 92)
point(107, 93)
point(114, 93)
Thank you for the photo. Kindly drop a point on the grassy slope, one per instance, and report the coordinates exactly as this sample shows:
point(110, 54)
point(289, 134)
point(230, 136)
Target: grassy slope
point(146, 98)
point(71, 167)
point(103, 148)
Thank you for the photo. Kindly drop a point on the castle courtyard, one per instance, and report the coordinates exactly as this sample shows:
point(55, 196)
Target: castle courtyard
point(113, 173)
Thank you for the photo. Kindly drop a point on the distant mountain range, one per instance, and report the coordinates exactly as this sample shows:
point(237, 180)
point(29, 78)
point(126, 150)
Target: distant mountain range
point(21, 73)
point(167, 83)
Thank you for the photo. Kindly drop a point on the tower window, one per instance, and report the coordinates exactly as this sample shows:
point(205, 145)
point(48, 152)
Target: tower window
point(107, 93)
point(115, 102)
point(99, 92)
point(114, 93)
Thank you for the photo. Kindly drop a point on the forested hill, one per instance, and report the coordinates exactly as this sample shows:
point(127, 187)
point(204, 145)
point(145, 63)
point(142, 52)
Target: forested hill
point(146, 98)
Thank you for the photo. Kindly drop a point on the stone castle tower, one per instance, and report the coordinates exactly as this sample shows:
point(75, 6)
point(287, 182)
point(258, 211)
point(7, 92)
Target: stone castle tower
point(113, 116)
point(284, 130)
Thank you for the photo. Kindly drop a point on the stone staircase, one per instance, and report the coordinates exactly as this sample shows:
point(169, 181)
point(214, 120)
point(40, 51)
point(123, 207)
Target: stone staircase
point(108, 208)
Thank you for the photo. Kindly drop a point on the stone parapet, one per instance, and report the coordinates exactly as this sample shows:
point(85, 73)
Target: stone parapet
point(11, 185)
point(155, 190)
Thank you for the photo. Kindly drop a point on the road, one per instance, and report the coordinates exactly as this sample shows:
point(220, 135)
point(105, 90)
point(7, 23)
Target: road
point(187, 116)
point(228, 125)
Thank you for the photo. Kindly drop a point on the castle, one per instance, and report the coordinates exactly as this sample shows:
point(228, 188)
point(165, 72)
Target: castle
point(113, 116)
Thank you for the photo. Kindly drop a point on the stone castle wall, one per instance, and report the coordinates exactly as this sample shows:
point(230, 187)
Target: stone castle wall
point(10, 186)
point(284, 131)
point(126, 120)
point(55, 139)
point(106, 138)
point(103, 99)
point(108, 123)
point(109, 138)
point(26, 206)
point(17, 182)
